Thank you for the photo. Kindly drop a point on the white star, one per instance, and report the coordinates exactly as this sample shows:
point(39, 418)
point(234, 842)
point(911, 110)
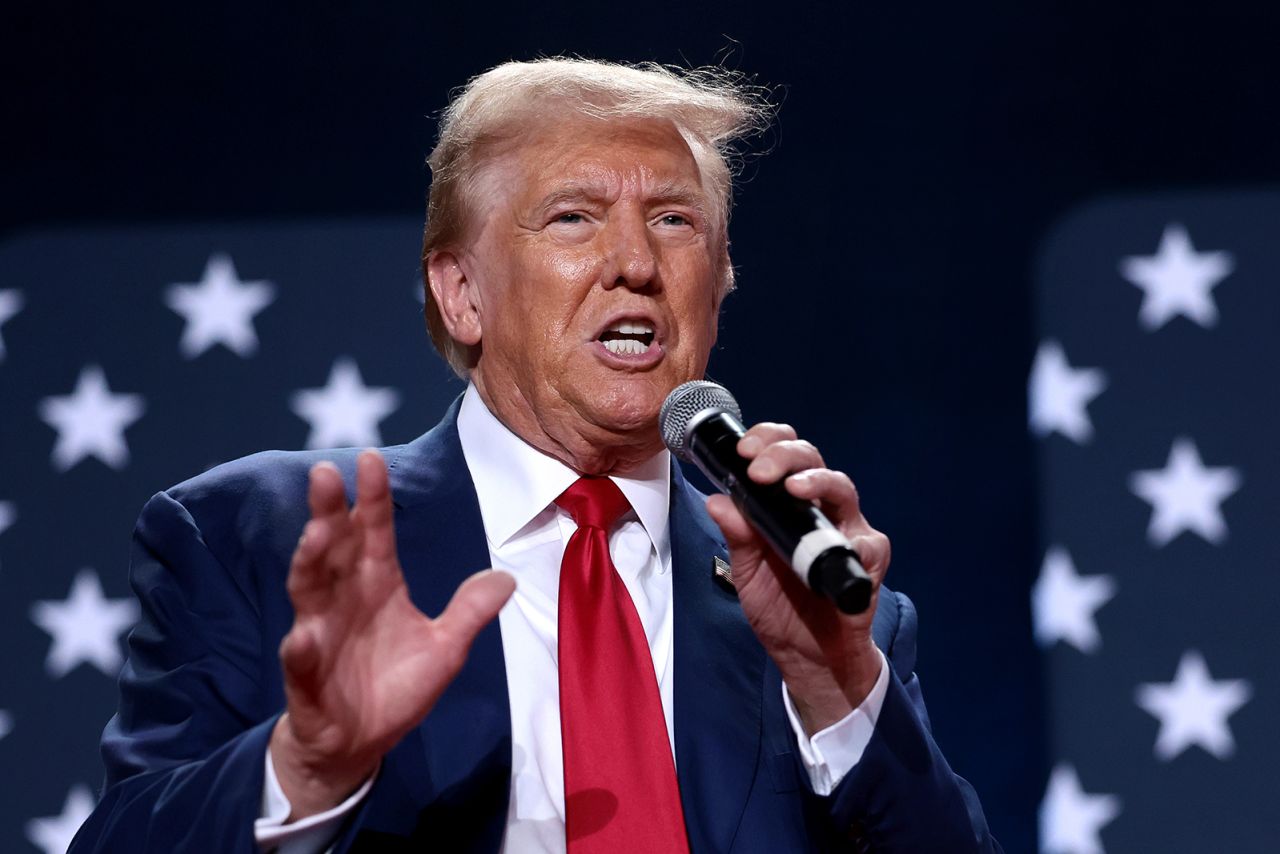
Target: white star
point(85, 626)
point(91, 421)
point(10, 304)
point(1059, 393)
point(345, 411)
point(54, 834)
point(1193, 709)
point(1071, 820)
point(8, 513)
point(1177, 280)
point(1063, 602)
point(1185, 495)
point(6, 723)
point(219, 309)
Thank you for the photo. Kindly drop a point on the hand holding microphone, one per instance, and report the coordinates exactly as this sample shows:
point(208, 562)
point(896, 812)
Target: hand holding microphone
point(701, 423)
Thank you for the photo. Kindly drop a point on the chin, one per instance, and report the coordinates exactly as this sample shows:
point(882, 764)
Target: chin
point(628, 407)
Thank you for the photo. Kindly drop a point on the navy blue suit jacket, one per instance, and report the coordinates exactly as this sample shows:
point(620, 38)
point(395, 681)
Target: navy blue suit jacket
point(202, 688)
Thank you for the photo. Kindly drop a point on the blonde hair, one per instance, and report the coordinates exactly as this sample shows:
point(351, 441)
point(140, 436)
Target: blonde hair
point(713, 109)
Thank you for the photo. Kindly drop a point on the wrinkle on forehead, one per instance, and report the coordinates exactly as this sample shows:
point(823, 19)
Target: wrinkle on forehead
point(511, 170)
point(586, 153)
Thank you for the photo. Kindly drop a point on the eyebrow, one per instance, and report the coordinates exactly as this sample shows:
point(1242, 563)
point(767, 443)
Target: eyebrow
point(571, 193)
point(671, 192)
point(680, 194)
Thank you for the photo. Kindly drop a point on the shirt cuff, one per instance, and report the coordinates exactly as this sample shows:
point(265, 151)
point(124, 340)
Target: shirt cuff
point(307, 836)
point(834, 751)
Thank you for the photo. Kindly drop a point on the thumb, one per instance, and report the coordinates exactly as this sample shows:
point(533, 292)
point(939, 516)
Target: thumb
point(737, 531)
point(475, 603)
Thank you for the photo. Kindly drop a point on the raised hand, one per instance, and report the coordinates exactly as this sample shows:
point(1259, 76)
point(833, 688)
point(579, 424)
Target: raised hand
point(827, 659)
point(362, 665)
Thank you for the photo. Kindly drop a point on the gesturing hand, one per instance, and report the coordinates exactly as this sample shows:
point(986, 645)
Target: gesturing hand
point(827, 658)
point(362, 665)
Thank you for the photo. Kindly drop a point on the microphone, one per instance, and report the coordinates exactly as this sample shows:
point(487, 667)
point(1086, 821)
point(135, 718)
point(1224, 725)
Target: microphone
point(701, 423)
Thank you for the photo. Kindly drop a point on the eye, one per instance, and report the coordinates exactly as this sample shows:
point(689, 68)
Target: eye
point(675, 220)
point(570, 218)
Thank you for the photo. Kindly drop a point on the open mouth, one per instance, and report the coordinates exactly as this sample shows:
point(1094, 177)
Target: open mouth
point(628, 338)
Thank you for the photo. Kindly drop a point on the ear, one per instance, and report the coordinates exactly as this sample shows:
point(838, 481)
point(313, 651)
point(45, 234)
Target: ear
point(723, 286)
point(456, 296)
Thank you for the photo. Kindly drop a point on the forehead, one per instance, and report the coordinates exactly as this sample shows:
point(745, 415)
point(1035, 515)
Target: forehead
point(608, 156)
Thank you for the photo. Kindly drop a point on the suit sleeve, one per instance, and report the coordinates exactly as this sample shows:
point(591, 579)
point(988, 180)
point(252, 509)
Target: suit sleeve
point(902, 795)
point(184, 753)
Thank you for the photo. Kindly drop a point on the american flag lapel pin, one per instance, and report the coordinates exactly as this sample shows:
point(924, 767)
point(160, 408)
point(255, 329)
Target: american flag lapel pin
point(722, 572)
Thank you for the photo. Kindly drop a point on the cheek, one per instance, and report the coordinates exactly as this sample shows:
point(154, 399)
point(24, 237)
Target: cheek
point(697, 305)
point(576, 267)
point(554, 285)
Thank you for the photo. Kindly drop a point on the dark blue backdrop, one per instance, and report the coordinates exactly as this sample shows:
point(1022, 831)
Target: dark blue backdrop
point(885, 250)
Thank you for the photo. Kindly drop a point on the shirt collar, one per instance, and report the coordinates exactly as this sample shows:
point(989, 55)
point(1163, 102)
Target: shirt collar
point(515, 481)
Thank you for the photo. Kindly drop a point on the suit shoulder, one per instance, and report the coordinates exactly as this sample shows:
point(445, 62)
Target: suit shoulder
point(270, 472)
point(263, 490)
point(265, 472)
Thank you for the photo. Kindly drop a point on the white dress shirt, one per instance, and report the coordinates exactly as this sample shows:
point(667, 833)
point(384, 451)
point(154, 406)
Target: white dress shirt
point(527, 534)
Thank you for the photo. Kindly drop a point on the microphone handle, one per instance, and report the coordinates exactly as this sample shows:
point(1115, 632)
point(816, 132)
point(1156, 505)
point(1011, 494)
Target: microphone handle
point(797, 530)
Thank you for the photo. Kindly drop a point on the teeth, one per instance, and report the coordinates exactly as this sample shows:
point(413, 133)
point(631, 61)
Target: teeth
point(624, 347)
point(628, 328)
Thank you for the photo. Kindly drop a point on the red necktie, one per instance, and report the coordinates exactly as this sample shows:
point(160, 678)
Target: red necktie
point(620, 788)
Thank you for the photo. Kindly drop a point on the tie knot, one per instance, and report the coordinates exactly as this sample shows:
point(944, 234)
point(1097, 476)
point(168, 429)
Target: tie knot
point(594, 502)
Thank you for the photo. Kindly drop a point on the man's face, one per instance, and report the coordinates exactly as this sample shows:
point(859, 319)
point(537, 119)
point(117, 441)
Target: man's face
point(596, 277)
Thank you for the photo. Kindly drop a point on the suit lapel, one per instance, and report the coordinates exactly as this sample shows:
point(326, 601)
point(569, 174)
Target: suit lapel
point(458, 762)
point(719, 676)
point(450, 780)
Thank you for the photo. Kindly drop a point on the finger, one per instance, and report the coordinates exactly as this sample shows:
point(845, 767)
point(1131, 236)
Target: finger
point(300, 653)
point(762, 435)
point(735, 527)
point(374, 512)
point(833, 489)
point(326, 545)
point(476, 602)
point(325, 492)
point(341, 558)
point(739, 535)
point(782, 457)
point(307, 570)
point(873, 552)
point(323, 548)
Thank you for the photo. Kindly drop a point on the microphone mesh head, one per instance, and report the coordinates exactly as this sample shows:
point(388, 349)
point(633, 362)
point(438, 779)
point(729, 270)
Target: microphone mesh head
point(685, 403)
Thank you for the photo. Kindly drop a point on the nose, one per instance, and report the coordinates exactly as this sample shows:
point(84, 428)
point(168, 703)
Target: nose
point(631, 256)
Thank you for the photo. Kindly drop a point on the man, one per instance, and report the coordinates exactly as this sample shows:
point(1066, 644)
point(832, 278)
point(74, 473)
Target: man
point(576, 256)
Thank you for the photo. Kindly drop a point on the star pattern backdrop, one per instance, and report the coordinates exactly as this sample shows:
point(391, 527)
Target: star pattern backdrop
point(1155, 399)
point(1152, 399)
point(134, 359)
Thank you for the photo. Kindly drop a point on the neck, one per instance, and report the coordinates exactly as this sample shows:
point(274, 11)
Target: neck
point(588, 449)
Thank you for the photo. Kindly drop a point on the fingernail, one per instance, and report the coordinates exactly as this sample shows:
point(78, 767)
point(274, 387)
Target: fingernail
point(749, 445)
